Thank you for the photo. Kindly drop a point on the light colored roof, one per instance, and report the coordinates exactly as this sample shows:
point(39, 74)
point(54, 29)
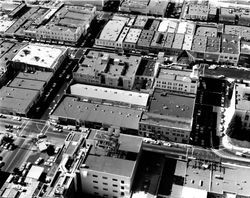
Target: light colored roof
point(129, 97)
point(188, 192)
point(206, 31)
point(5, 24)
point(178, 40)
point(39, 55)
point(112, 30)
point(163, 27)
point(35, 172)
point(243, 97)
point(172, 26)
point(187, 44)
point(133, 35)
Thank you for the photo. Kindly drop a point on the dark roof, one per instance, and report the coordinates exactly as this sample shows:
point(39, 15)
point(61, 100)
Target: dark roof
point(170, 104)
point(111, 115)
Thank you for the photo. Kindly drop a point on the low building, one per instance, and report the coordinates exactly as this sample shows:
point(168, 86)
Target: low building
point(158, 40)
point(244, 59)
point(242, 31)
point(67, 25)
point(158, 7)
point(109, 96)
point(73, 111)
point(229, 15)
point(110, 166)
point(197, 12)
point(199, 46)
point(206, 31)
point(212, 49)
point(145, 39)
point(170, 117)
point(186, 27)
point(39, 57)
point(110, 33)
point(132, 38)
point(140, 21)
point(17, 101)
point(177, 80)
point(108, 69)
point(230, 49)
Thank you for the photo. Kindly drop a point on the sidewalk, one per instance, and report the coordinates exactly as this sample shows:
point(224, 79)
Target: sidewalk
point(228, 145)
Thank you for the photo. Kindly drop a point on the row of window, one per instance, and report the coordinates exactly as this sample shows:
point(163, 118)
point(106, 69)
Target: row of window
point(105, 195)
point(113, 179)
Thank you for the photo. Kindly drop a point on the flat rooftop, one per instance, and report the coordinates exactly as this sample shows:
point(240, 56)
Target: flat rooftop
point(96, 61)
point(213, 44)
point(199, 43)
point(70, 108)
point(178, 41)
point(114, 164)
point(27, 84)
point(198, 9)
point(242, 97)
point(230, 44)
point(112, 30)
point(118, 95)
point(140, 21)
point(5, 24)
point(39, 55)
point(38, 75)
point(245, 47)
point(187, 43)
point(18, 93)
point(174, 74)
point(133, 35)
point(206, 31)
point(170, 104)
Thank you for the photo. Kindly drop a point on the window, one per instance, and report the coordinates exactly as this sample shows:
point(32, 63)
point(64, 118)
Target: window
point(95, 176)
point(115, 185)
point(122, 182)
point(122, 193)
point(247, 117)
point(122, 187)
point(105, 183)
point(115, 191)
point(95, 182)
point(105, 189)
point(104, 178)
point(95, 187)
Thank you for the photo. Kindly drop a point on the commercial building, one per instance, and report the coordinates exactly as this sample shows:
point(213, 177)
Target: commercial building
point(5, 24)
point(39, 57)
point(230, 49)
point(17, 101)
point(67, 25)
point(145, 39)
point(108, 69)
point(186, 27)
point(212, 49)
point(242, 103)
point(206, 31)
point(140, 21)
point(158, 40)
point(229, 15)
point(153, 7)
point(132, 38)
point(110, 166)
point(170, 116)
point(110, 33)
point(109, 96)
point(242, 31)
point(197, 12)
point(244, 59)
point(177, 80)
point(72, 110)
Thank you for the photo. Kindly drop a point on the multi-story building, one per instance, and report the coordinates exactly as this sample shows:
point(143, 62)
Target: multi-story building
point(242, 103)
point(39, 57)
point(145, 39)
point(73, 111)
point(197, 12)
point(67, 25)
point(177, 80)
point(108, 69)
point(153, 7)
point(170, 116)
point(229, 15)
point(109, 96)
point(110, 34)
point(130, 42)
point(244, 59)
point(230, 49)
point(241, 31)
point(110, 166)
point(212, 49)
